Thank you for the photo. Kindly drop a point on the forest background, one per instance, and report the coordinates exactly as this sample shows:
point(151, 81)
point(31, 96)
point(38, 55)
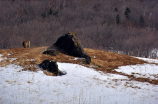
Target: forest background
point(124, 26)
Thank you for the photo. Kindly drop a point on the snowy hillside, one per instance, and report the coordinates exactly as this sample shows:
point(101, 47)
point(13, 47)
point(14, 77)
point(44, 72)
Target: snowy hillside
point(81, 85)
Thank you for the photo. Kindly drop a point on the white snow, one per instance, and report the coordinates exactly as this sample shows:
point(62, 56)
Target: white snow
point(11, 59)
point(148, 60)
point(145, 71)
point(30, 59)
point(1, 57)
point(81, 85)
point(77, 58)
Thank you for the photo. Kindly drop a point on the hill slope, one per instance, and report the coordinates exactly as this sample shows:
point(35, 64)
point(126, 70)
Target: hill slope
point(81, 85)
point(101, 60)
point(137, 82)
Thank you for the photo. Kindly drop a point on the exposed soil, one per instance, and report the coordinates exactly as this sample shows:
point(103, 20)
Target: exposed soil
point(29, 58)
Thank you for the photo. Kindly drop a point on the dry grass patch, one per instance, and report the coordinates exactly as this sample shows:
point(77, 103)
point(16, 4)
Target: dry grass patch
point(107, 61)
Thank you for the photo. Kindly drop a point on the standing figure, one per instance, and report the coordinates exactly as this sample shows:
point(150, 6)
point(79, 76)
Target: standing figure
point(26, 44)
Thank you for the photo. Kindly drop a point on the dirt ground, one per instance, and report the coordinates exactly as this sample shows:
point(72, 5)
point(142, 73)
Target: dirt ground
point(29, 58)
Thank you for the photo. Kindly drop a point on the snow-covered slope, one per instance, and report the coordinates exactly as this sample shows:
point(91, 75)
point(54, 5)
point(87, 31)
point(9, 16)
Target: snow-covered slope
point(81, 85)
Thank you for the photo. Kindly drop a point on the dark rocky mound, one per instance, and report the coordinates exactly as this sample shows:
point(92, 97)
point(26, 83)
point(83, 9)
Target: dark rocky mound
point(52, 67)
point(69, 44)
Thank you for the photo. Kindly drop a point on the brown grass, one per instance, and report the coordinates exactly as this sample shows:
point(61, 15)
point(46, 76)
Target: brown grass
point(29, 58)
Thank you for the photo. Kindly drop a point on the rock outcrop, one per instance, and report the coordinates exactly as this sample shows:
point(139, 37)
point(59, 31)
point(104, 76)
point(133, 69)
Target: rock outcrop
point(68, 44)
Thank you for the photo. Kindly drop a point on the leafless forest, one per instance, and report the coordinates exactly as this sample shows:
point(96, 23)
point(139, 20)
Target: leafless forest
point(129, 26)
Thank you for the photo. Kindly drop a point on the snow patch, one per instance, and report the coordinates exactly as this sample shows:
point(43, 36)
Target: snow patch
point(148, 60)
point(81, 85)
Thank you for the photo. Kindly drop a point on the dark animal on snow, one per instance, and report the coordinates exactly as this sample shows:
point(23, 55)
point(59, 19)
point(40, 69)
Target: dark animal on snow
point(52, 67)
point(26, 44)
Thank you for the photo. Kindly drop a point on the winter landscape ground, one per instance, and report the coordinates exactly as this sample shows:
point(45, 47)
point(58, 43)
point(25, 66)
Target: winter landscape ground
point(110, 79)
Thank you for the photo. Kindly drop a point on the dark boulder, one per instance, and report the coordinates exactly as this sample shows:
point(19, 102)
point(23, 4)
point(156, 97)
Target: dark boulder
point(52, 67)
point(88, 58)
point(70, 45)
